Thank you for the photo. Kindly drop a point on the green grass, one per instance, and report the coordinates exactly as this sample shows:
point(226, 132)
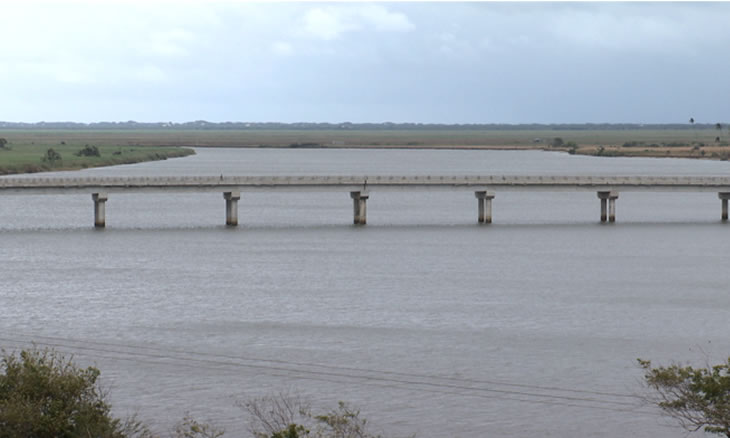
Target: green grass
point(28, 157)
point(356, 138)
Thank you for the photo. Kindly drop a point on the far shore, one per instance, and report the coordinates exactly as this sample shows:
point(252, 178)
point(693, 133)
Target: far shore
point(26, 150)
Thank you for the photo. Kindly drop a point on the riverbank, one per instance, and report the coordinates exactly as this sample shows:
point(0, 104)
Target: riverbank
point(31, 158)
point(27, 147)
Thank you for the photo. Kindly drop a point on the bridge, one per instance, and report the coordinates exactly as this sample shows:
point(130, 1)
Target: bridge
point(485, 187)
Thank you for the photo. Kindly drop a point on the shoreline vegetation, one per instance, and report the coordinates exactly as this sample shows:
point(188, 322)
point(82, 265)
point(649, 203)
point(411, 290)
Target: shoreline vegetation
point(26, 147)
point(18, 158)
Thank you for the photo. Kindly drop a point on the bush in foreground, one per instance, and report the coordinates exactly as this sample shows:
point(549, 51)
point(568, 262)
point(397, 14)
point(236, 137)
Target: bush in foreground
point(43, 394)
point(288, 416)
point(698, 398)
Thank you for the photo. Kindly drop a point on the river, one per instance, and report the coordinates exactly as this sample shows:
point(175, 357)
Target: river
point(427, 322)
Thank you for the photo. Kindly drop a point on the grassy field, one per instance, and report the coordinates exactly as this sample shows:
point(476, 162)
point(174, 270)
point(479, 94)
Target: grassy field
point(360, 138)
point(127, 146)
point(29, 158)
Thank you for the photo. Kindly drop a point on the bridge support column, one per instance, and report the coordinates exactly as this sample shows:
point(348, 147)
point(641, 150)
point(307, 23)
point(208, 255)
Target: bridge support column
point(99, 209)
point(232, 207)
point(610, 199)
point(724, 196)
point(359, 207)
point(485, 206)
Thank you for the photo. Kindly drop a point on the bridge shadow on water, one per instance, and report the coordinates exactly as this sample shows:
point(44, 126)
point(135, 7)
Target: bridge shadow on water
point(371, 227)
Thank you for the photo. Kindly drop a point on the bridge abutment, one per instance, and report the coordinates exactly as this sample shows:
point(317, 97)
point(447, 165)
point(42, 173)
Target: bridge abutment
point(724, 196)
point(232, 207)
point(608, 199)
point(485, 206)
point(359, 207)
point(99, 209)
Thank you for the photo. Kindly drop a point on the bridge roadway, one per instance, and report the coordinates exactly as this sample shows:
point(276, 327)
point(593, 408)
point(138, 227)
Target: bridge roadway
point(484, 187)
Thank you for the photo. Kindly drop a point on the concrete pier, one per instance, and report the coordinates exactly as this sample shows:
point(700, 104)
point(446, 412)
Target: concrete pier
point(232, 207)
point(359, 207)
point(485, 206)
point(607, 188)
point(724, 196)
point(610, 199)
point(99, 209)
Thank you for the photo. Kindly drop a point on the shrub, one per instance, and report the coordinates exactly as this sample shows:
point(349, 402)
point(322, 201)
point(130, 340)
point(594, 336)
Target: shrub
point(88, 151)
point(698, 398)
point(556, 142)
point(286, 416)
point(43, 394)
point(630, 144)
point(51, 157)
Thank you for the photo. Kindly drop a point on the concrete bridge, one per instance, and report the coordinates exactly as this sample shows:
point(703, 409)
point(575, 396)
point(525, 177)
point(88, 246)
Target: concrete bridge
point(607, 188)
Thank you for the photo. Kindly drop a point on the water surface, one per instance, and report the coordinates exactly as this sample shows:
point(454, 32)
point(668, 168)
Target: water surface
point(426, 321)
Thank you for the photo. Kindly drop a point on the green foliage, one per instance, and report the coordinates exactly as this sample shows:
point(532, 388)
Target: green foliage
point(557, 142)
point(286, 416)
point(3, 143)
point(42, 394)
point(292, 431)
point(631, 144)
point(343, 422)
point(51, 156)
point(88, 151)
point(191, 428)
point(698, 398)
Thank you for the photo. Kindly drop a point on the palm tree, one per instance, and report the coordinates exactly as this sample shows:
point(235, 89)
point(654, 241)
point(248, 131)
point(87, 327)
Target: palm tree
point(718, 126)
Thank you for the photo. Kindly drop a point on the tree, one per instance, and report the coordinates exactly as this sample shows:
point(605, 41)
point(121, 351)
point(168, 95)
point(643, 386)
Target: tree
point(557, 142)
point(51, 156)
point(698, 398)
point(692, 122)
point(3, 142)
point(88, 151)
point(43, 394)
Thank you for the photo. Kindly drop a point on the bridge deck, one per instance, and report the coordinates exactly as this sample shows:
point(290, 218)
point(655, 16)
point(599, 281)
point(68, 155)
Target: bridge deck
point(372, 183)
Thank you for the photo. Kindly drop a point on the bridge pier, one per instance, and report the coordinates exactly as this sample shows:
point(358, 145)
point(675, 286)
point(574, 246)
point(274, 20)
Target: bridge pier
point(232, 207)
point(610, 199)
point(724, 196)
point(485, 206)
point(359, 207)
point(99, 209)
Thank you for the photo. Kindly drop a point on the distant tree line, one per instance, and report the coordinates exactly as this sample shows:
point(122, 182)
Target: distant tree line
point(386, 126)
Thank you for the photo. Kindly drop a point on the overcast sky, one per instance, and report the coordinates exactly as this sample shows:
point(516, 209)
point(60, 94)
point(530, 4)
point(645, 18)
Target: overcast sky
point(364, 62)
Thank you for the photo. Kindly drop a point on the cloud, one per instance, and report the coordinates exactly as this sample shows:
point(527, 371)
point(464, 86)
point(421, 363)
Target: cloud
point(326, 24)
point(329, 23)
point(384, 20)
point(282, 48)
point(150, 73)
point(172, 43)
point(667, 29)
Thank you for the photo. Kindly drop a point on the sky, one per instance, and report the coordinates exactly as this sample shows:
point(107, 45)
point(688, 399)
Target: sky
point(360, 62)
